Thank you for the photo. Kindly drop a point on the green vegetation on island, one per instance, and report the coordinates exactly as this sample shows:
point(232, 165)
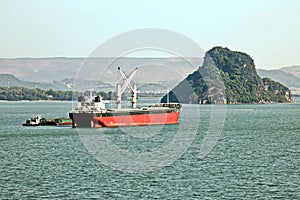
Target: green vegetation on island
point(15, 93)
point(241, 82)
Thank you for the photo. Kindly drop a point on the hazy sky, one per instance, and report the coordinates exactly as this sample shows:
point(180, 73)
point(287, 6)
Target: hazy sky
point(268, 30)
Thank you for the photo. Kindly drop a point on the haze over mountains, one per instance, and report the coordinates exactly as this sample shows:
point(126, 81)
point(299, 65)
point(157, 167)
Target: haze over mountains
point(94, 71)
point(60, 73)
point(289, 76)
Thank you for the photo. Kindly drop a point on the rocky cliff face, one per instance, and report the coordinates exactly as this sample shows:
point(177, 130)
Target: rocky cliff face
point(228, 77)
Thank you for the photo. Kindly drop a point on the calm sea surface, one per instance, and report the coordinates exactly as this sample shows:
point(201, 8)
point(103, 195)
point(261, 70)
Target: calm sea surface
point(256, 156)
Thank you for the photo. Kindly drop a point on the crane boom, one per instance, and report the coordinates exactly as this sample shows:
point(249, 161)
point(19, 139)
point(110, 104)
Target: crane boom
point(127, 84)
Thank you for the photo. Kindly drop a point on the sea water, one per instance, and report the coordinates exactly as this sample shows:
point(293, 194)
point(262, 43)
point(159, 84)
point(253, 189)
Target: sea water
point(255, 155)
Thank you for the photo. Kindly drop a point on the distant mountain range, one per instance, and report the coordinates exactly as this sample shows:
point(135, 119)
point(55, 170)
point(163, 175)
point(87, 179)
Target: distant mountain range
point(8, 80)
point(56, 69)
point(41, 69)
point(62, 73)
point(288, 76)
point(58, 73)
point(295, 70)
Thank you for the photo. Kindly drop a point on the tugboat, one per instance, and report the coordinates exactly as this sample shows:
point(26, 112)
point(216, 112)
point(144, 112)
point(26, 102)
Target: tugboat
point(38, 121)
point(91, 111)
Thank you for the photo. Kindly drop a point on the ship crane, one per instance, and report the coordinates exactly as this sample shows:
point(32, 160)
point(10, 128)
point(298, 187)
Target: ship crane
point(127, 84)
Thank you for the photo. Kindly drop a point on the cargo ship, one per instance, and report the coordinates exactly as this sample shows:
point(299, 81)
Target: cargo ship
point(91, 111)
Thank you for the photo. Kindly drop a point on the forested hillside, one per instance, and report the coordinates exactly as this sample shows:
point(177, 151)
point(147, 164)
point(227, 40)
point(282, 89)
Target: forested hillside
point(241, 81)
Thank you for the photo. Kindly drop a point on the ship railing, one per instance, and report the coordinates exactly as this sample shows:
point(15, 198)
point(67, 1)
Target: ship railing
point(169, 105)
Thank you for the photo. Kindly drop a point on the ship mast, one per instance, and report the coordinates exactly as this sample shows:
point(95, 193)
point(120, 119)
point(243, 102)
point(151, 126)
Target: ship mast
point(127, 84)
point(91, 90)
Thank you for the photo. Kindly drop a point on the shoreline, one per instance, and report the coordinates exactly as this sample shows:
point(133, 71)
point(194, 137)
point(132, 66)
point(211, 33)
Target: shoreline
point(67, 101)
point(29, 101)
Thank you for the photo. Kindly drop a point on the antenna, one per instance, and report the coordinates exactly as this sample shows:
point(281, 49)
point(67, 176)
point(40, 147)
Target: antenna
point(168, 97)
point(91, 90)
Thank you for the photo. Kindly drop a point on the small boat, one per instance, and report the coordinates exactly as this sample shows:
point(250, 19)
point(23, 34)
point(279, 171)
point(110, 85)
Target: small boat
point(63, 121)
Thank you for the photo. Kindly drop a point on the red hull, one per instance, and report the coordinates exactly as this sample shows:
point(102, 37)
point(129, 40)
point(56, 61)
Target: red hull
point(152, 115)
point(136, 120)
